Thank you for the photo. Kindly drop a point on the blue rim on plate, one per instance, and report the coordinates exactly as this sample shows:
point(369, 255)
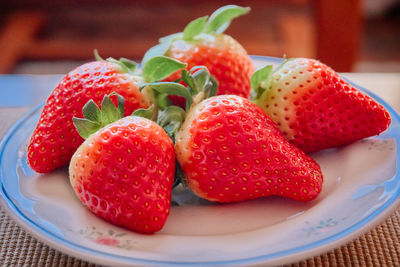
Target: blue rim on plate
point(77, 250)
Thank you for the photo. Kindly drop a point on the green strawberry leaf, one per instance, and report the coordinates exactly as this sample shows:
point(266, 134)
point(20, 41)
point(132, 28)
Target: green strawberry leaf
point(162, 48)
point(201, 77)
point(221, 18)
point(121, 103)
point(144, 113)
point(194, 28)
point(158, 50)
point(162, 100)
point(171, 113)
point(85, 127)
point(129, 64)
point(94, 118)
point(201, 84)
point(223, 27)
point(259, 77)
point(171, 37)
point(171, 119)
point(189, 80)
point(160, 67)
point(126, 65)
point(91, 111)
point(212, 88)
point(171, 88)
point(109, 112)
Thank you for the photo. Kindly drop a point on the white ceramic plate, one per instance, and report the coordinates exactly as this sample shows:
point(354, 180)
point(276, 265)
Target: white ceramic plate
point(361, 188)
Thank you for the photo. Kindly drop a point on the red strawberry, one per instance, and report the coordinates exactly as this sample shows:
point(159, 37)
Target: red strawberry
point(203, 43)
point(55, 138)
point(124, 171)
point(230, 150)
point(314, 107)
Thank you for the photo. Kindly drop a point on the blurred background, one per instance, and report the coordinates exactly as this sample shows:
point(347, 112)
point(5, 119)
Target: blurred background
point(53, 37)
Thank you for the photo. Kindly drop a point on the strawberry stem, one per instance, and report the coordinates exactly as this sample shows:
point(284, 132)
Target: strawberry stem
point(97, 56)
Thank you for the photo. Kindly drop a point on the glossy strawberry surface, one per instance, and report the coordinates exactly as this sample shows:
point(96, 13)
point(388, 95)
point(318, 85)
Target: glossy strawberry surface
point(55, 138)
point(316, 109)
point(230, 150)
point(124, 174)
point(224, 57)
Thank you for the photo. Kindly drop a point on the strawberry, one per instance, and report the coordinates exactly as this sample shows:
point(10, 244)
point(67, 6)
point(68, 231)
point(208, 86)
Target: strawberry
point(124, 171)
point(55, 138)
point(230, 150)
point(203, 43)
point(314, 107)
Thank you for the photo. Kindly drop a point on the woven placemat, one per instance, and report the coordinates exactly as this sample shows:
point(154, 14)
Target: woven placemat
point(379, 247)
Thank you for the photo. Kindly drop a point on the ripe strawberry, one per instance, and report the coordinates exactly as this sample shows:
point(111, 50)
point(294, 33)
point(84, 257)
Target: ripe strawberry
point(230, 150)
point(314, 107)
point(124, 171)
point(203, 43)
point(55, 138)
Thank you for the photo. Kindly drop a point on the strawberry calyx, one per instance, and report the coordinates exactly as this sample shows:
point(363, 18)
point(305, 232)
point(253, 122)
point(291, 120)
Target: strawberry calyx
point(200, 80)
point(194, 28)
point(261, 78)
point(163, 89)
point(198, 29)
point(156, 68)
point(96, 118)
point(200, 85)
point(126, 65)
point(259, 81)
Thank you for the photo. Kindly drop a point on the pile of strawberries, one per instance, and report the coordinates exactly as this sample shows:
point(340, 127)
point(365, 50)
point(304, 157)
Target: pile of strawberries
point(130, 135)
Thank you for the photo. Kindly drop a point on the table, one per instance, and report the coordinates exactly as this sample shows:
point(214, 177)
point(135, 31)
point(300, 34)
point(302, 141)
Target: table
point(378, 247)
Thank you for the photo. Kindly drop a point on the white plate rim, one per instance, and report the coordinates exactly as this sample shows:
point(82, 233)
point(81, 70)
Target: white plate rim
point(283, 257)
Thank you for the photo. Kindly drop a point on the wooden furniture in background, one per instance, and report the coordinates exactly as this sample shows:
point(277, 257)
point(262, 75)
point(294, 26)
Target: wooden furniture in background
point(16, 37)
point(338, 32)
point(323, 29)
